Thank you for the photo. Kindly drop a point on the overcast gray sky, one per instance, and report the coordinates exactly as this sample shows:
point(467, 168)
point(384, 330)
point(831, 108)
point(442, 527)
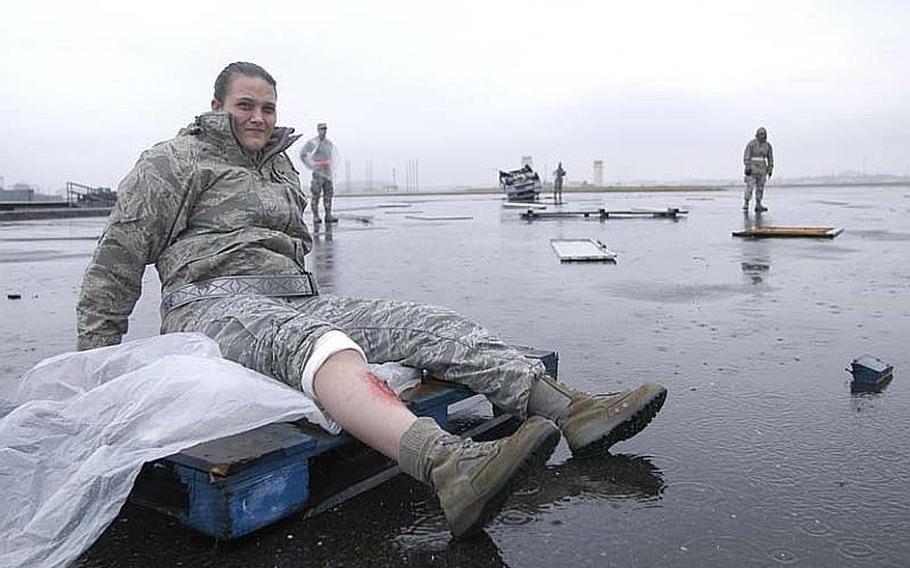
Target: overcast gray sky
point(658, 90)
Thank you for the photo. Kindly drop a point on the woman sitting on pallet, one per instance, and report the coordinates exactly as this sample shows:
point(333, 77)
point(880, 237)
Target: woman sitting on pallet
point(219, 211)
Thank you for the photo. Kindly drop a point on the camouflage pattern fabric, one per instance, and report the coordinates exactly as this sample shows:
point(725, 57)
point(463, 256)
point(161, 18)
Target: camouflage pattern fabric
point(197, 206)
point(754, 183)
point(322, 187)
point(759, 157)
point(275, 336)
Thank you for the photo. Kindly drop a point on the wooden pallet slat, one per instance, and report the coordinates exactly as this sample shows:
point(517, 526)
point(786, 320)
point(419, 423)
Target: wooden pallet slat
point(769, 231)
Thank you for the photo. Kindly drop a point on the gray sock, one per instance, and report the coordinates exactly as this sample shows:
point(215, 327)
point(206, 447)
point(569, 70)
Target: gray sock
point(549, 399)
point(415, 447)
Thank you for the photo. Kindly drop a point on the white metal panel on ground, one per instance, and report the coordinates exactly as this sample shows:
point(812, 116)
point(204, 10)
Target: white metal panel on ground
point(578, 250)
point(440, 217)
point(521, 205)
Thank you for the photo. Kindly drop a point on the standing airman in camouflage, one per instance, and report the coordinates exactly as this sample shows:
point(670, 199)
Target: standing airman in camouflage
point(758, 160)
point(318, 154)
point(219, 211)
point(558, 175)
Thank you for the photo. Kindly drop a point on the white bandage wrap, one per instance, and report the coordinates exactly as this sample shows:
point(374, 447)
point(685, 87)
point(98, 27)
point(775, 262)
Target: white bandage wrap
point(327, 345)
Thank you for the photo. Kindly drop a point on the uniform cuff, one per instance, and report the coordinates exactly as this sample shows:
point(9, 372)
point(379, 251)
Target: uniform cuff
point(87, 341)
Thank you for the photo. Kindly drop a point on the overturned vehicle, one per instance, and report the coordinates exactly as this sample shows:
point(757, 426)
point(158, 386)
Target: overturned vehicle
point(520, 185)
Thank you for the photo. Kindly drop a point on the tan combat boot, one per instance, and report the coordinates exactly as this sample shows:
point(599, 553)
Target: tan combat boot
point(593, 423)
point(473, 479)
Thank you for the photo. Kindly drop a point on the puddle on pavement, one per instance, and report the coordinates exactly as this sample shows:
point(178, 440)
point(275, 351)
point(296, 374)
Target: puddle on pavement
point(761, 455)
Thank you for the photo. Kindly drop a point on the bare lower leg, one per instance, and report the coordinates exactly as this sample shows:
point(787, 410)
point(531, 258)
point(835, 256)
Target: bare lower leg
point(362, 403)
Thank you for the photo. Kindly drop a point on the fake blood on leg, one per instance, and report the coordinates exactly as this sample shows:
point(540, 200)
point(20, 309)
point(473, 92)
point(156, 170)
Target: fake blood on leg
point(379, 388)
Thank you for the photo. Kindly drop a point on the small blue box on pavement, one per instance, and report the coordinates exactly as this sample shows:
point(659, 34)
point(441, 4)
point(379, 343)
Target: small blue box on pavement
point(870, 371)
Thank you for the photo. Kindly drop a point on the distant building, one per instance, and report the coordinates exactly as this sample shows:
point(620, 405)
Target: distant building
point(17, 195)
point(19, 192)
point(598, 178)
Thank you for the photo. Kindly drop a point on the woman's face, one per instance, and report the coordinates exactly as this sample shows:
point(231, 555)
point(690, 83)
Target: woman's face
point(252, 102)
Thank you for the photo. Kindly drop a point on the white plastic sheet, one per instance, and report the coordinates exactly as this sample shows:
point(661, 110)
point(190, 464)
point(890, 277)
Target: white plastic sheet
point(84, 423)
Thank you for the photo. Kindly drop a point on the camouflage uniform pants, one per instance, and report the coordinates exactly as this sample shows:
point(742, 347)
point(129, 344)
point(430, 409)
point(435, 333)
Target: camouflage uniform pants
point(754, 183)
point(275, 337)
point(322, 187)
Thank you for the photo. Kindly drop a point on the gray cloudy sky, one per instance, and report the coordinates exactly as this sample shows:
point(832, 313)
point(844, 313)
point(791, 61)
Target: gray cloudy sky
point(658, 90)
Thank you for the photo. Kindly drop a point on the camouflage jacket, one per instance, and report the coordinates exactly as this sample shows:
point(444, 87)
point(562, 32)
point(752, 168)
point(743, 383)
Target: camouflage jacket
point(759, 157)
point(197, 206)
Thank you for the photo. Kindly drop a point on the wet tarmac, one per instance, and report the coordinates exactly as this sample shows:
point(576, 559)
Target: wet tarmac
point(761, 456)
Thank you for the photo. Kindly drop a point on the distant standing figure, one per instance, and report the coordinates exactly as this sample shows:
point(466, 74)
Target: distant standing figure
point(558, 176)
point(758, 160)
point(318, 155)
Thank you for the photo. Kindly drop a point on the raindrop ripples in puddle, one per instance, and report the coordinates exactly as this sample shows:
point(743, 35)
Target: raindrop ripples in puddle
point(778, 474)
point(527, 488)
point(677, 293)
point(516, 517)
point(890, 456)
point(761, 457)
point(723, 550)
point(866, 473)
point(783, 555)
point(694, 495)
point(815, 527)
point(855, 549)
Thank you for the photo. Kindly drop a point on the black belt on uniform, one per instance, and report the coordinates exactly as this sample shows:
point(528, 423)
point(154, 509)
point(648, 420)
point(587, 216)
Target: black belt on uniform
point(277, 286)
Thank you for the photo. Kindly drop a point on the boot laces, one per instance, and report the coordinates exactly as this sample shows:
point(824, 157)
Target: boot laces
point(601, 395)
point(466, 447)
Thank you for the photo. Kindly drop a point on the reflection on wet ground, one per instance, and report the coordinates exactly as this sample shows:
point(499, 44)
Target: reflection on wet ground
point(37, 255)
point(884, 235)
point(761, 456)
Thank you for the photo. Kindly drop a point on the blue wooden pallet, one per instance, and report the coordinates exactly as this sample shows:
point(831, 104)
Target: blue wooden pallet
point(233, 486)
